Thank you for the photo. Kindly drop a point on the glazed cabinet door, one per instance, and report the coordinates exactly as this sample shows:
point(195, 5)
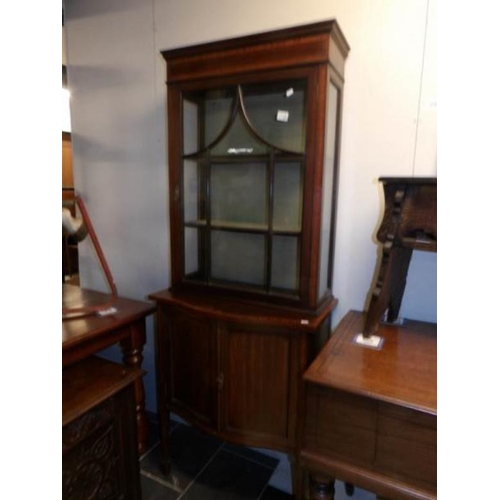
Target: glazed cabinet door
point(241, 184)
point(193, 367)
point(257, 368)
point(243, 180)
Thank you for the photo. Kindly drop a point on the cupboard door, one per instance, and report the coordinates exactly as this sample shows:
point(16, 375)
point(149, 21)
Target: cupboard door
point(193, 363)
point(256, 367)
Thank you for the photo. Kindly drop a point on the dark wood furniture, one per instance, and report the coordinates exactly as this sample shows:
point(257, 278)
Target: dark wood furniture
point(82, 337)
point(409, 223)
point(371, 414)
point(99, 431)
point(233, 368)
point(254, 133)
point(254, 128)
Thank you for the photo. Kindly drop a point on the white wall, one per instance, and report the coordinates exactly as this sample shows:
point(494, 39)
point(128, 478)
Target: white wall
point(118, 136)
point(116, 76)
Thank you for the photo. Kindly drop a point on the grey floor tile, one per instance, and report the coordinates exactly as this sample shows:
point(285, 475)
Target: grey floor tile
point(229, 477)
point(153, 436)
point(153, 490)
point(190, 450)
point(251, 455)
point(271, 493)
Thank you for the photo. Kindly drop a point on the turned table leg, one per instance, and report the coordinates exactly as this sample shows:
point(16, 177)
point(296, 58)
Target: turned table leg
point(132, 347)
point(321, 487)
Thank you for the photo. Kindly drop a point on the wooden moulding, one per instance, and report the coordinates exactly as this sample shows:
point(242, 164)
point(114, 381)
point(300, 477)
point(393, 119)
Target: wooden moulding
point(272, 316)
point(302, 45)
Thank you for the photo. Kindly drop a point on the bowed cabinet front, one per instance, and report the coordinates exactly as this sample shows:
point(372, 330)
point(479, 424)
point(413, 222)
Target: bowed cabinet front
point(233, 370)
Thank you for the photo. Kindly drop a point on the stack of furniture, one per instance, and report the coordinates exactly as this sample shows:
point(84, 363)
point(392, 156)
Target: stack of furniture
point(104, 424)
point(126, 325)
point(253, 139)
point(371, 412)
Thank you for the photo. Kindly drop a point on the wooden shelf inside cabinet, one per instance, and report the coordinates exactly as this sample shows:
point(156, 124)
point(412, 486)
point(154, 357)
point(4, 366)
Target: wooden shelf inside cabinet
point(243, 226)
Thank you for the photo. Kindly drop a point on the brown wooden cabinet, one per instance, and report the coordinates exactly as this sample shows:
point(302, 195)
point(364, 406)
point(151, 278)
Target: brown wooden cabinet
point(233, 368)
point(253, 150)
point(254, 133)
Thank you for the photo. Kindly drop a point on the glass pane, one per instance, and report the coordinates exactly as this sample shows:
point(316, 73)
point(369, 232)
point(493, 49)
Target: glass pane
point(284, 274)
point(238, 193)
point(328, 181)
point(191, 191)
point(205, 114)
point(190, 120)
point(218, 107)
point(287, 212)
point(238, 257)
point(277, 113)
point(191, 242)
point(238, 140)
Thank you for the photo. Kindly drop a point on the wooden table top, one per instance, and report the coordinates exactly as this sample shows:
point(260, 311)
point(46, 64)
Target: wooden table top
point(403, 371)
point(77, 330)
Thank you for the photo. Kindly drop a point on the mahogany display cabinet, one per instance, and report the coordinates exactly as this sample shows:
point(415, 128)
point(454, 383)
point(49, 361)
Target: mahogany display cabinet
point(253, 151)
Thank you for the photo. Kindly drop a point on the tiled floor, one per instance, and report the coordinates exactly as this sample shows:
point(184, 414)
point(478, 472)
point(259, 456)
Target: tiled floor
point(205, 468)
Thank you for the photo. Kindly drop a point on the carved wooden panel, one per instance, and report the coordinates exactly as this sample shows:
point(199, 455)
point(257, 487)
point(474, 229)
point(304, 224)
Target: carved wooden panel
point(99, 434)
point(90, 469)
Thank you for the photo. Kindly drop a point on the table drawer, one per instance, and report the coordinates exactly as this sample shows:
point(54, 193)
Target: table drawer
point(341, 425)
point(406, 444)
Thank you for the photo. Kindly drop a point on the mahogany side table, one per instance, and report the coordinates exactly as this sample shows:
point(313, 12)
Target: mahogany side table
point(371, 415)
point(84, 336)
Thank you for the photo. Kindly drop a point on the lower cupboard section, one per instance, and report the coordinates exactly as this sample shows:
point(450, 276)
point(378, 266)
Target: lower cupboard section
point(235, 373)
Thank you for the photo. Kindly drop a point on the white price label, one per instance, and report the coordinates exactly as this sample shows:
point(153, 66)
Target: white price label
point(282, 115)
